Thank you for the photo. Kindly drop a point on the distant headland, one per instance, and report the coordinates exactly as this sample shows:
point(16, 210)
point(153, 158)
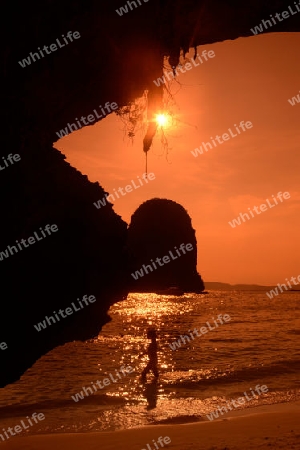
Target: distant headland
point(216, 286)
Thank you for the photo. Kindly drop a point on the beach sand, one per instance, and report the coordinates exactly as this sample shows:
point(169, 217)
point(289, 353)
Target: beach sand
point(266, 427)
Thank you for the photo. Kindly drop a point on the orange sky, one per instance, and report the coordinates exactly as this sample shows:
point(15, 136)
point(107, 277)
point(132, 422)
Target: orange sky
point(249, 79)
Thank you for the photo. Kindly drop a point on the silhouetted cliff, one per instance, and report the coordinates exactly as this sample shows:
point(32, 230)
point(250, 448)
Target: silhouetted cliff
point(162, 228)
point(83, 257)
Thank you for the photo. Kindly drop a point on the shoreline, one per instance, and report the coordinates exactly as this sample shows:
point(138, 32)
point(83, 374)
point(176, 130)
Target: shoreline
point(262, 427)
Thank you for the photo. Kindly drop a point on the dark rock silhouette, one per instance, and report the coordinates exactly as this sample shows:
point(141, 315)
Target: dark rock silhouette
point(84, 257)
point(115, 60)
point(156, 228)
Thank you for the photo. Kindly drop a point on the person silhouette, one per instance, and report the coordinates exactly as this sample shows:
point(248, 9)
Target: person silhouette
point(151, 394)
point(152, 353)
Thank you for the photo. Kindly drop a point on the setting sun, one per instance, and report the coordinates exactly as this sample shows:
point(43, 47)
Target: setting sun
point(162, 120)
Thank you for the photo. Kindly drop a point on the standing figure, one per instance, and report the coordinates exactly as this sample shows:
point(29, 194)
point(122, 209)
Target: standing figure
point(152, 353)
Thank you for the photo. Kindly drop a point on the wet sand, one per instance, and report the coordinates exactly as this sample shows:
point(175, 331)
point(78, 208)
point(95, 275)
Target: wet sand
point(265, 427)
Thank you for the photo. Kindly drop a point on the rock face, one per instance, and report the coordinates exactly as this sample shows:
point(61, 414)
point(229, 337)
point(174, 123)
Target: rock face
point(115, 59)
point(83, 257)
point(157, 229)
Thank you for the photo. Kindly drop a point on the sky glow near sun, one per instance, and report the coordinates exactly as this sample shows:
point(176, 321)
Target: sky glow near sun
point(238, 84)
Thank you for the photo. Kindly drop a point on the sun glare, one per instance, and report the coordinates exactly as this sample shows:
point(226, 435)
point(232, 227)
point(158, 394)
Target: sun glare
point(162, 120)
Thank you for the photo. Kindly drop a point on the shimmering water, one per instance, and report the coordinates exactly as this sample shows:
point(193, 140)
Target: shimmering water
point(259, 345)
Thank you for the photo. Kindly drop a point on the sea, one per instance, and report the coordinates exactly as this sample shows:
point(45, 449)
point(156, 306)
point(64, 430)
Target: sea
point(259, 345)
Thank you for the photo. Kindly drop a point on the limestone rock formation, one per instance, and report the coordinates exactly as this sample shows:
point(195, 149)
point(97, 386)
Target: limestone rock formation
point(157, 229)
point(83, 257)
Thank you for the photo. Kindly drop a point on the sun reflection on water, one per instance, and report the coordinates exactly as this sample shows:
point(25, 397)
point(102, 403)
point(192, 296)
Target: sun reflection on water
point(150, 306)
point(126, 334)
point(194, 380)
